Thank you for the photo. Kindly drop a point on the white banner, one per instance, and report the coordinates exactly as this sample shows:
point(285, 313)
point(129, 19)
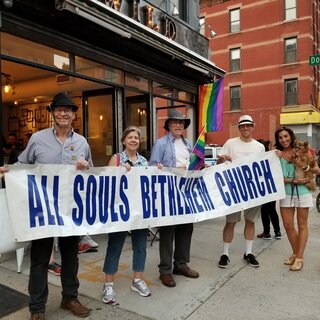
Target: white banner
point(58, 200)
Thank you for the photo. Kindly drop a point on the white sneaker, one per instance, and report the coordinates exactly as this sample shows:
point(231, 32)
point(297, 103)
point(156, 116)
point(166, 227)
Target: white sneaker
point(87, 239)
point(108, 294)
point(141, 287)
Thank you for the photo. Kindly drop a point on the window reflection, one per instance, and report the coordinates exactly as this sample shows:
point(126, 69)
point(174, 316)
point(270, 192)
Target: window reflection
point(34, 52)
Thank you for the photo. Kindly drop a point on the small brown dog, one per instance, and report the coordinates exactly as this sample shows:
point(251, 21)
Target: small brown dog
point(302, 151)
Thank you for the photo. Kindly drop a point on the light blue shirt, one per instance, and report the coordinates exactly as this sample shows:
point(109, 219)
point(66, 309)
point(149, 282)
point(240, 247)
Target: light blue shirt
point(164, 151)
point(45, 147)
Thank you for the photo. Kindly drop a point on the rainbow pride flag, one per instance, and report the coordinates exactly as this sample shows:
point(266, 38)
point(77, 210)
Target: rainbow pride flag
point(211, 106)
point(197, 155)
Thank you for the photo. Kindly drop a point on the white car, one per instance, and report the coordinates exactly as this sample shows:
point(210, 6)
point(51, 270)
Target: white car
point(211, 153)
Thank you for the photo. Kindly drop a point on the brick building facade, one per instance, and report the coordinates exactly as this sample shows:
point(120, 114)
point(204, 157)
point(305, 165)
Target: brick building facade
point(265, 47)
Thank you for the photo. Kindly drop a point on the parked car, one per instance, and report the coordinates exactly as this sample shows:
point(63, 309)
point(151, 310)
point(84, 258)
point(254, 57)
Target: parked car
point(211, 153)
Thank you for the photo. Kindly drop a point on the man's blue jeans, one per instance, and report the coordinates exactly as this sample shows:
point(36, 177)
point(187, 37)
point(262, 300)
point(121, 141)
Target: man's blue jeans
point(115, 245)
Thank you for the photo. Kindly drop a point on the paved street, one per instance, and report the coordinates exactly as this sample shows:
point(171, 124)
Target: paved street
point(238, 292)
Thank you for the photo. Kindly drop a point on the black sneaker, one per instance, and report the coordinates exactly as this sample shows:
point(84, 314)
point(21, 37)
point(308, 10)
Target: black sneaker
point(251, 259)
point(224, 260)
point(278, 235)
point(265, 236)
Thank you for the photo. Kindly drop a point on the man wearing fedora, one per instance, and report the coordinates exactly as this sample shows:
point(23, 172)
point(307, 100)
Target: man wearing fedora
point(173, 150)
point(241, 147)
point(56, 145)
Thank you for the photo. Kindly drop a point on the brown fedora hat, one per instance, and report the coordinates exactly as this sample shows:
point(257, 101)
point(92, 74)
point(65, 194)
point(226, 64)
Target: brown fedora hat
point(174, 114)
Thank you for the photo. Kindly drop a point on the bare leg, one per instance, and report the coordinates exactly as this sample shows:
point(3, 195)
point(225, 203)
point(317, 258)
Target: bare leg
point(302, 217)
point(109, 277)
point(228, 232)
point(137, 275)
point(287, 215)
point(249, 230)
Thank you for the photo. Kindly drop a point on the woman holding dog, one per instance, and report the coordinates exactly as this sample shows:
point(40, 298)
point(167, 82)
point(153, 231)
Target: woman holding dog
point(298, 197)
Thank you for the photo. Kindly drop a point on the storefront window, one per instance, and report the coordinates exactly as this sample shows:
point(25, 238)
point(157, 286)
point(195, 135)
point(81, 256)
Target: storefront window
point(137, 82)
point(34, 52)
point(163, 90)
point(137, 113)
point(98, 71)
point(186, 96)
point(162, 106)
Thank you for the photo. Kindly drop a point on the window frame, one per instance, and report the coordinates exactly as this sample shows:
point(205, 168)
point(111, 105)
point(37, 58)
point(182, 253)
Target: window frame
point(235, 64)
point(291, 98)
point(290, 55)
point(289, 10)
point(235, 102)
point(234, 25)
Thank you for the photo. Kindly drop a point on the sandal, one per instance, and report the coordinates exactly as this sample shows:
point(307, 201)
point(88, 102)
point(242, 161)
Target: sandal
point(297, 265)
point(290, 261)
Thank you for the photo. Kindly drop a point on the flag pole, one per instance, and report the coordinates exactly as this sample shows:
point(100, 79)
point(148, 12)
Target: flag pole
point(203, 128)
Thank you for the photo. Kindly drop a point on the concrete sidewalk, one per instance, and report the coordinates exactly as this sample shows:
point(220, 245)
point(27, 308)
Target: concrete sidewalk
point(238, 292)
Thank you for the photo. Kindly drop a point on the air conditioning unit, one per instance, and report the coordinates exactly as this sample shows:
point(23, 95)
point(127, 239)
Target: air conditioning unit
point(63, 78)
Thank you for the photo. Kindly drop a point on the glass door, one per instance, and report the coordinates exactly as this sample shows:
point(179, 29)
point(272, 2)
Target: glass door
point(98, 106)
point(137, 114)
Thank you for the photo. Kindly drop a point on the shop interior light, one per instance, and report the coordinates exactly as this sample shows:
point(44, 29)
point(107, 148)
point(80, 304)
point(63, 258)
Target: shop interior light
point(7, 83)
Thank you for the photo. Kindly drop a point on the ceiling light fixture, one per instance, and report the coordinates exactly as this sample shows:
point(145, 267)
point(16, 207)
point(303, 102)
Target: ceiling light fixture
point(7, 83)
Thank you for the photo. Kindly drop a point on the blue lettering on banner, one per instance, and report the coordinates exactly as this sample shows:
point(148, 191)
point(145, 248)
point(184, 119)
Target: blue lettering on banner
point(103, 199)
point(36, 208)
point(176, 195)
point(124, 209)
point(91, 206)
point(162, 182)
point(77, 214)
point(271, 186)
point(146, 202)
point(244, 182)
point(182, 184)
point(180, 197)
point(100, 194)
point(153, 196)
point(204, 194)
point(172, 195)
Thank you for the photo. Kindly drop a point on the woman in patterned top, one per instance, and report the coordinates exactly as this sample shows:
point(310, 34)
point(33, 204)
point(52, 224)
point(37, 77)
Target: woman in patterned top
point(128, 158)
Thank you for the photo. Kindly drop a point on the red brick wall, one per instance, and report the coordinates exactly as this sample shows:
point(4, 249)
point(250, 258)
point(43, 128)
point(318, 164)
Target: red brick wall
point(261, 39)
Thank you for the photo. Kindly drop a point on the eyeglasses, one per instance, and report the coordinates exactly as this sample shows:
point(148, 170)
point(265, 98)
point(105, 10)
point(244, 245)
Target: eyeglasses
point(245, 126)
point(181, 122)
point(65, 110)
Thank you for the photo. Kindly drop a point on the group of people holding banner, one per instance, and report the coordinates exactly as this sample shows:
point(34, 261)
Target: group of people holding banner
point(61, 145)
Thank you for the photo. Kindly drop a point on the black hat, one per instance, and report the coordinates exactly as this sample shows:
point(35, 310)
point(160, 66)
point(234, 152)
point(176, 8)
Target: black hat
point(62, 99)
point(174, 114)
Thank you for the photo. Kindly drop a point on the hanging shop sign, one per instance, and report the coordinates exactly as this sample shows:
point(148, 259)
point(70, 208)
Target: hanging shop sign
point(143, 13)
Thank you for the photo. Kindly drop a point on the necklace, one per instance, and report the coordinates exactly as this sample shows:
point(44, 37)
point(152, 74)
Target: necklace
point(287, 155)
